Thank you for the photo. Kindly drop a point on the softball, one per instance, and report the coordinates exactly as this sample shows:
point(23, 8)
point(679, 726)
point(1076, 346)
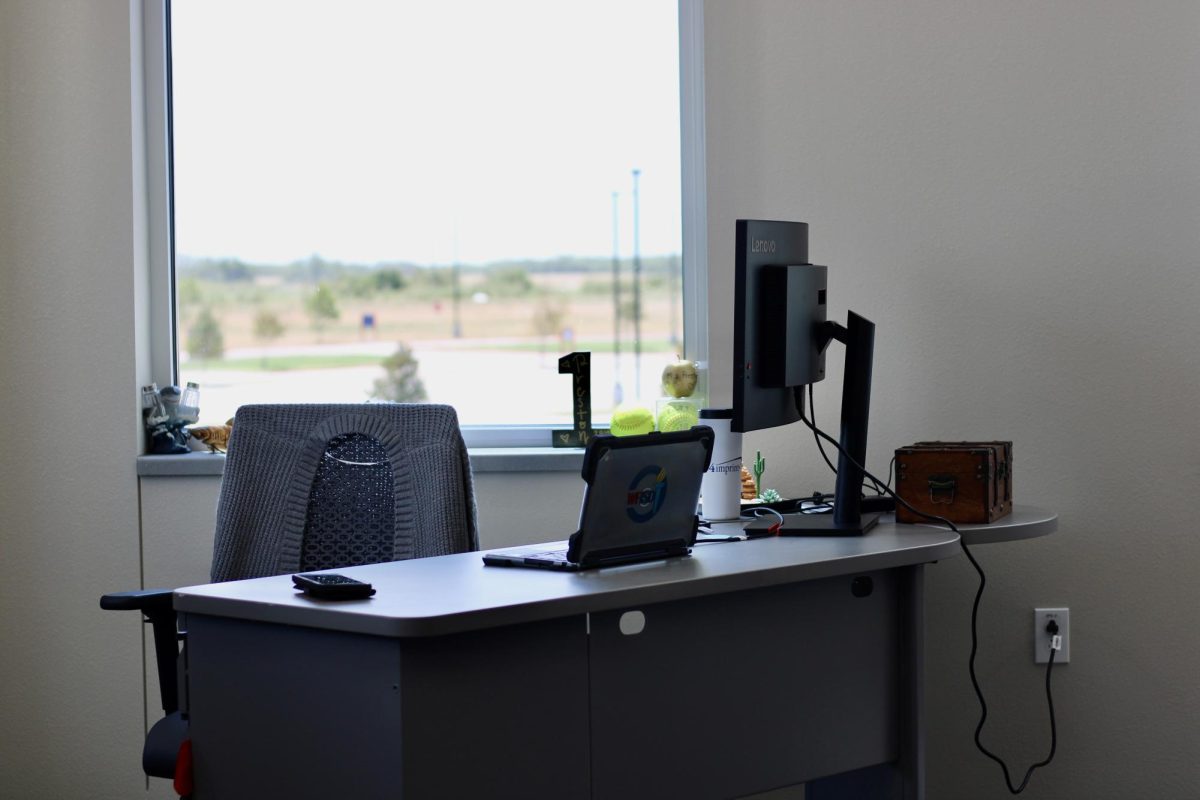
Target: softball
point(631, 420)
point(677, 416)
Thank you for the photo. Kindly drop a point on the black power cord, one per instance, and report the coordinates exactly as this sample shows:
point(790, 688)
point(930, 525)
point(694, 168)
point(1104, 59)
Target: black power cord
point(1056, 640)
point(812, 410)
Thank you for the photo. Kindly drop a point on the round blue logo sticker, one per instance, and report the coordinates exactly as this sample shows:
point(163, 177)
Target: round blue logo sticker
point(646, 494)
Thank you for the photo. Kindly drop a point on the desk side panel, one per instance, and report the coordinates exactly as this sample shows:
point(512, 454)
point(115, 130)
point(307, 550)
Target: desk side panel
point(278, 711)
point(282, 711)
point(735, 694)
point(498, 713)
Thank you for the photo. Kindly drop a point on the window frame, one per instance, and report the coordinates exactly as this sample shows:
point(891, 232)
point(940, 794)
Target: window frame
point(164, 335)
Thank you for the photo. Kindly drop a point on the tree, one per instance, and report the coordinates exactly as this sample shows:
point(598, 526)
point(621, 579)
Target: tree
point(627, 311)
point(321, 306)
point(507, 282)
point(205, 340)
point(370, 282)
point(188, 292)
point(267, 328)
point(232, 269)
point(387, 279)
point(548, 317)
point(400, 383)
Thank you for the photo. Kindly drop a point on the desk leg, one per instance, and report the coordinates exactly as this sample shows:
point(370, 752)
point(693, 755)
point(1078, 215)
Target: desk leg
point(906, 777)
point(912, 661)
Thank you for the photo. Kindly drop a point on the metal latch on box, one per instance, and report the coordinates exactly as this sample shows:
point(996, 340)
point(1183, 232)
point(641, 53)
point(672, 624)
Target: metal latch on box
point(942, 489)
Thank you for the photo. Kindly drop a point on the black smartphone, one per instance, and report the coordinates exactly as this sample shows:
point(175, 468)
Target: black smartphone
point(330, 586)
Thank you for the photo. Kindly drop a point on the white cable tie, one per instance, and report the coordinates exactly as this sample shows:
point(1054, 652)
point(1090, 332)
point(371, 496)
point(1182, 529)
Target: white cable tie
point(758, 512)
point(354, 463)
point(1056, 642)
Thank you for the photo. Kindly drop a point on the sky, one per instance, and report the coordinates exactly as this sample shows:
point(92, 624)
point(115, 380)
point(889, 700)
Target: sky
point(368, 131)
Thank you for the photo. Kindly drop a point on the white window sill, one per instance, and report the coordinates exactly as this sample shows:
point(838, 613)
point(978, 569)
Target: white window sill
point(483, 459)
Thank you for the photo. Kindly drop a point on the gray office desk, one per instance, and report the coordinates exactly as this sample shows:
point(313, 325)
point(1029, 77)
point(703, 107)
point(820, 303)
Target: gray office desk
point(755, 665)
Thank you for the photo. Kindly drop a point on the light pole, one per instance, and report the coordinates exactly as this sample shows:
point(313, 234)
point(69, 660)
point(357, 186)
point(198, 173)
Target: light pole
point(637, 293)
point(456, 293)
point(456, 325)
point(672, 265)
point(616, 275)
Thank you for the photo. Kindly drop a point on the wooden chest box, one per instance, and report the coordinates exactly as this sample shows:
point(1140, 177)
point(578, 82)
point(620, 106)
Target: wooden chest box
point(965, 482)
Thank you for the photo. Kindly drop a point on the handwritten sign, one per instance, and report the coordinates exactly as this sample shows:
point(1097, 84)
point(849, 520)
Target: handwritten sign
point(579, 366)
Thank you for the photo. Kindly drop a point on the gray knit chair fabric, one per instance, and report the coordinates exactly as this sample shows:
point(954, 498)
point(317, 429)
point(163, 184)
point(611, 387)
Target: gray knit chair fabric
point(324, 486)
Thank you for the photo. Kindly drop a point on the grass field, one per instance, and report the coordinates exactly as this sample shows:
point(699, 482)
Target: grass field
point(503, 367)
point(288, 362)
point(493, 323)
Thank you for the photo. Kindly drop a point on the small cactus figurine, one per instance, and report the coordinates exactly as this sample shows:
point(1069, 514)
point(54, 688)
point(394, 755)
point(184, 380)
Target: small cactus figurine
point(760, 466)
point(770, 496)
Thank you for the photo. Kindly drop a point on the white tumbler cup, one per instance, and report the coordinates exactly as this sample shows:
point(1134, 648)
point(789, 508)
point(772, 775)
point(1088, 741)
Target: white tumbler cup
point(721, 487)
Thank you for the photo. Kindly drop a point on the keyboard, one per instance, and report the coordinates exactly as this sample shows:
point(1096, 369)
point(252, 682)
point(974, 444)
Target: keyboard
point(548, 555)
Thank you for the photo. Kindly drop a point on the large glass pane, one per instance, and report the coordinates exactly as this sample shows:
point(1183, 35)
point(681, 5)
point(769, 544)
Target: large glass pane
point(426, 201)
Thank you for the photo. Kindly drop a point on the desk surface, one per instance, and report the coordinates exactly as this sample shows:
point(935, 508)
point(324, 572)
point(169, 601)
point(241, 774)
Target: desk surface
point(1025, 522)
point(456, 593)
point(451, 594)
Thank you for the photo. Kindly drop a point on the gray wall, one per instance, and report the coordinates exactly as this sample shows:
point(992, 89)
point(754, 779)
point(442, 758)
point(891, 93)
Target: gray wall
point(1009, 191)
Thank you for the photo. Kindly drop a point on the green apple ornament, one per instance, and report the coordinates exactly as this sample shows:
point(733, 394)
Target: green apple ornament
point(679, 378)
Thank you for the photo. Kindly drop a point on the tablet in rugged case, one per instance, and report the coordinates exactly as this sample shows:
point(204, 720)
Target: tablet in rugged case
point(639, 502)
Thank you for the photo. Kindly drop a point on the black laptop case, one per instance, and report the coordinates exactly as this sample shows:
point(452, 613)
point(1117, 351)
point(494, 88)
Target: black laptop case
point(639, 502)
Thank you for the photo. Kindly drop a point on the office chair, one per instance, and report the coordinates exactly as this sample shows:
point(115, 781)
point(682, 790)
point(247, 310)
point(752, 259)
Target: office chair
point(309, 487)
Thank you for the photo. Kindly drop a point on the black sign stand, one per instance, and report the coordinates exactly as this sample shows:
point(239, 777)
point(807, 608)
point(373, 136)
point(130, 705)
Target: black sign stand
point(579, 366)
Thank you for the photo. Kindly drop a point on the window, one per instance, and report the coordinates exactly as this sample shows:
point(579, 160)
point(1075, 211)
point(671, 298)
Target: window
point(427, 201)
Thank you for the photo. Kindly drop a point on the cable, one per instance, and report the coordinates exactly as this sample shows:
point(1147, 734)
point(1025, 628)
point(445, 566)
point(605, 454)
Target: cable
point(771, 529)
point(812, 410)
point(817, 508)
point(818, 503)
point(1055, 642)
point(983, 709)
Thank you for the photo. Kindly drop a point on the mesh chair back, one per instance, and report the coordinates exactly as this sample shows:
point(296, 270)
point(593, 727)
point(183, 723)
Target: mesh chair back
point(325, 486)
point(351, 519)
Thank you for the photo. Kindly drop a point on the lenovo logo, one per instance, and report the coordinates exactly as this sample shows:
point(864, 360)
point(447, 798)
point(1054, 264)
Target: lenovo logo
point(762, 245)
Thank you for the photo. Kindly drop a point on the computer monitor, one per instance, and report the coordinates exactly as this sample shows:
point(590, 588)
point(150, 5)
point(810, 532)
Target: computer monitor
point(780, 336)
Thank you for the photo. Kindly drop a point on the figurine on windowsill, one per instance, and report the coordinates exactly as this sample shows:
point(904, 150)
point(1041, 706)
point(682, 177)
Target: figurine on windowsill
point(215, 436)
point(751, 484)
point(166, 413)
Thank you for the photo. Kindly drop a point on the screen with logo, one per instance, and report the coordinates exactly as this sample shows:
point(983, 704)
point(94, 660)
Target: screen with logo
point(643, 494)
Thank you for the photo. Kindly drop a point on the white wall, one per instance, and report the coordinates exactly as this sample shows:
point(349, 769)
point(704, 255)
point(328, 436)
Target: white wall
point(1008, 190)
point(1011, 192)
point(68, 399)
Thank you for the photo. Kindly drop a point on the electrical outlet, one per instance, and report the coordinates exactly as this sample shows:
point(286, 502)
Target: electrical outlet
point(1041, 639)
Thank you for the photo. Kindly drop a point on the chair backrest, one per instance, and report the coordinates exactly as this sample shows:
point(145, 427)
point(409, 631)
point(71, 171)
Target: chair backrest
point(325, 486)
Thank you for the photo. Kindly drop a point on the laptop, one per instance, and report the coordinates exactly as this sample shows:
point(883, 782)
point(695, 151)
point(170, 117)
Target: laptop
point(639, 503)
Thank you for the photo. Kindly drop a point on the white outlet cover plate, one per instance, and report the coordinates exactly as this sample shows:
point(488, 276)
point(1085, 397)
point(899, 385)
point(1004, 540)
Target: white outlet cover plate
point(1041, 639)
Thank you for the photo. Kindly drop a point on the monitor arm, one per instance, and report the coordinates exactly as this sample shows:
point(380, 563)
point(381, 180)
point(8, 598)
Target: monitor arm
point(827, 331)
point(858, 336)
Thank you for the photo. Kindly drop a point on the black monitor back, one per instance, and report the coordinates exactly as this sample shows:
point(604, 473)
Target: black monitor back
point(779, 305)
